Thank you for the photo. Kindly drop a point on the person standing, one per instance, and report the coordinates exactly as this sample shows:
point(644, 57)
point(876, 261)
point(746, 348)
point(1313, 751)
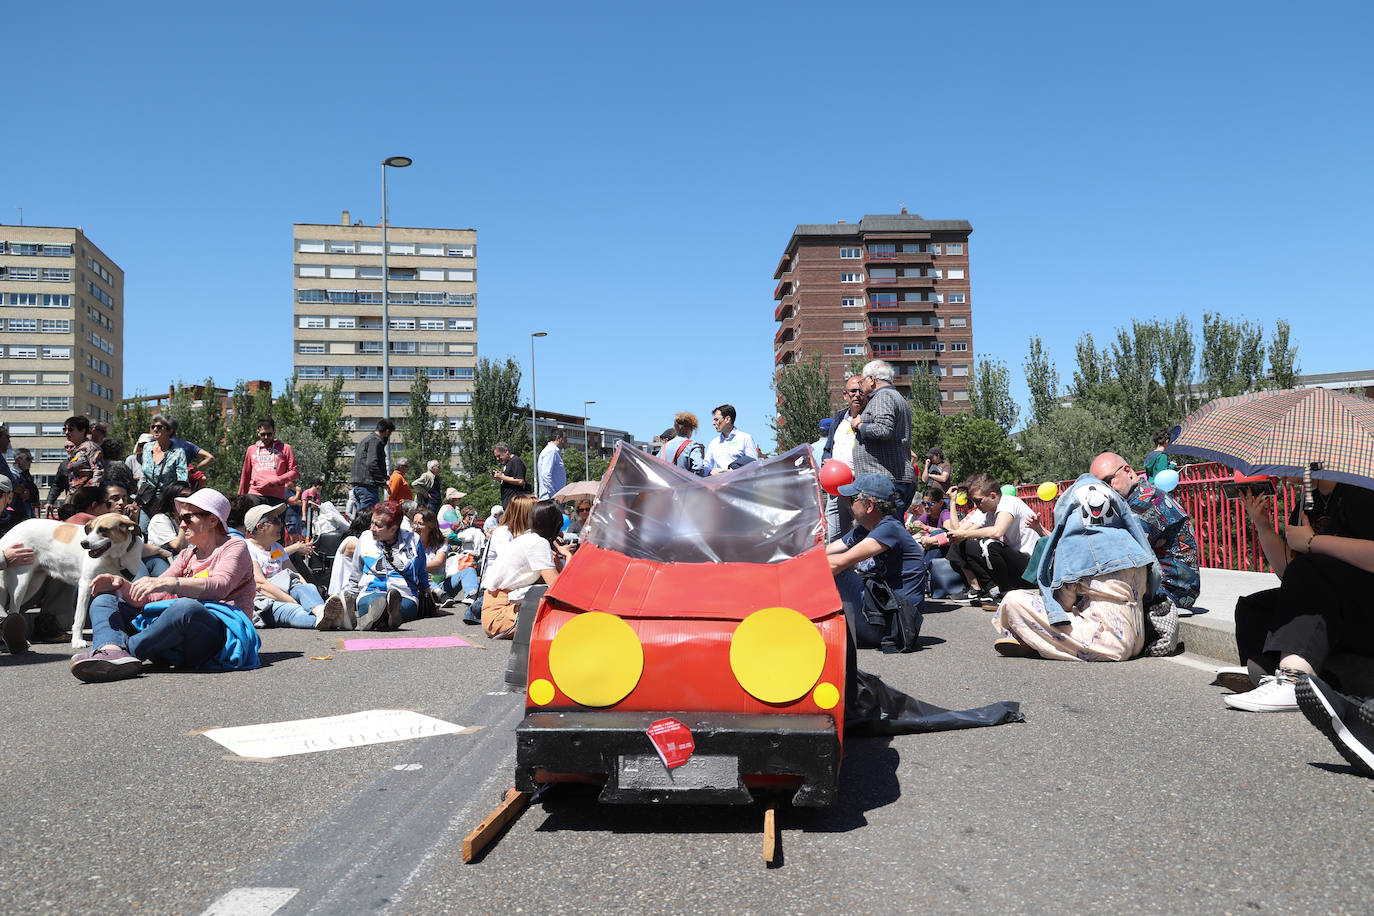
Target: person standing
point(369, 465)
point(731, 448)
point(512, 475)
point(1158, 460)
point(396, 484)
point(552, 475)
point(84, 465)
point(428, 487)
point(882, 433)
point(840, 446)
point(681, 449)
point(269, 466)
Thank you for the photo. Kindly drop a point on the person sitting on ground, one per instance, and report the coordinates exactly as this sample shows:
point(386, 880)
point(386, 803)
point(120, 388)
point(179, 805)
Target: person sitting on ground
point(1166, 524)
point(164, 534)
point(284, 598)
point(581, 513)
point(931, 515)
point(208, 622)
point(470, 535)
point(1325, 599)
point(1095, 572)
point(343, 556)
point(493, 519)
point(532, 556)
point(1158, 460)
point(388, 565)
point(89, 503)
point(438, 555)
point(681, 449)
point(14, 629)
point(880, 570)
point(997, 551)
point(514, 522)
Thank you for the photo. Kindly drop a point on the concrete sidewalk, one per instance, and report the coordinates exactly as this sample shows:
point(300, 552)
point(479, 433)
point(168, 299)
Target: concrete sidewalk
point(1211, 631)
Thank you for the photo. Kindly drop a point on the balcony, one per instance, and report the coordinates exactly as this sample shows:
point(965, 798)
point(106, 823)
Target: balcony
point(903, 330)
point(783, 288)
point(908, 282)
point(784, 265)
point(785, 334)
point(784, 356)
point(907, 305)
point(784, 311)
point(898, 257)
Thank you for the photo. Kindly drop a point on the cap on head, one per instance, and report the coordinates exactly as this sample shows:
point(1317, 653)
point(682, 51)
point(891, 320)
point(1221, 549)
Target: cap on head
point(254, 516)
point(878, 486)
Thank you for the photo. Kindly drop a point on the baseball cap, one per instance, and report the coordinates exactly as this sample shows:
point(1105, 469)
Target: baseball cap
point(878, 486)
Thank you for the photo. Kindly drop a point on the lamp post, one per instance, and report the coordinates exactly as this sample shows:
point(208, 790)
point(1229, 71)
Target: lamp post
point(534, 429)
point(586, 449)
point(395, 162)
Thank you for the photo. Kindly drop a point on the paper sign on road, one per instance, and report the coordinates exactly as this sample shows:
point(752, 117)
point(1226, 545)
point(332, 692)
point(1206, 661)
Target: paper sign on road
point(305, 736)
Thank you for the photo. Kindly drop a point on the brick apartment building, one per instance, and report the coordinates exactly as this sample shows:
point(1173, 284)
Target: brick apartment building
point(892, 287)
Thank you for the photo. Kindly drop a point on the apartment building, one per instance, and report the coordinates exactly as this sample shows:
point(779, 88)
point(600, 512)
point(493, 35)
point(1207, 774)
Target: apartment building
point(61, 337)
point(337, 294)
point(893, 287)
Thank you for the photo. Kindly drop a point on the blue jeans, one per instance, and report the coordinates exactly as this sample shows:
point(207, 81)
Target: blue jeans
point(298, 614)
point(156, 566)
point(409, 609)
point(186, 627)
point(462, 583)
point(366, 497)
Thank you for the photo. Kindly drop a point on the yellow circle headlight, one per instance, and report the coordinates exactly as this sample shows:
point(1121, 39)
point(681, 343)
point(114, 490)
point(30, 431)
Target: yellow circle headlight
point(596, 659)
point(777, 654)
point(540, 692)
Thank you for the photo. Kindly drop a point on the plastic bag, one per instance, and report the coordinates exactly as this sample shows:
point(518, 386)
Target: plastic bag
point(328, 520)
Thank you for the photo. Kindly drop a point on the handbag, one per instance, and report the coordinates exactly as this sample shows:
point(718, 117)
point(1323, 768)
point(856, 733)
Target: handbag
point(896, 620)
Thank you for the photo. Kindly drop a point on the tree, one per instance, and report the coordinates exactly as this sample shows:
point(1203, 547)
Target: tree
point(803, 390)
point(309, 452)
point(424, 434)
point(855, 367)
point(1283, 359)
point(1133, 364)
point(495, 415)
point(1042, 378)
point(1175, 354)
point(204, 426)
point(239, 432)
point(977, 444)
point(1091, 367)
point(925, 392)
point(990, 394)
point(1232, 355)
point(320, 411)
point(130, 423)
point(927, 431)
point(1063, 445)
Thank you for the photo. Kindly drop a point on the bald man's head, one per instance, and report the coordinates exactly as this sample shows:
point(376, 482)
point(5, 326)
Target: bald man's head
point(1115, 471)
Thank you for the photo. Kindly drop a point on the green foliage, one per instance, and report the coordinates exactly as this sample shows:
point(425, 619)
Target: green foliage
point(319, 410)
point(495, 416)
point(1063, 446)
point(990, 394)
point(309, 451)
point(927, 431)
point(130, 423)
point(1091, 367)
point(1042, 378)
point(1175, 352)
point(803, 390)
point(925, 392)
point(424, 434)
point(1232, 356)
point(1283, 358)
point(855, 367)
point(239, 433)
point(977, 444)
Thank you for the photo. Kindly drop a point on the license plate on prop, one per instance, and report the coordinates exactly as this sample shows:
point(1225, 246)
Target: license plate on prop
point(701, 771)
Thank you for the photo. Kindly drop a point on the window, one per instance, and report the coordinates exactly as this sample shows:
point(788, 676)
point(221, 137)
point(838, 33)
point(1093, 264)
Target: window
point(343, 322)
point(461, 350)
point(343, 296)
point(341, 372)
point(463, 372)
point(851, 252)
point(960, 370)
point(934, 273)
point(434, 372)
point(402, 346)
point(313, 348)
point(370, 273)
point(401, 297)
point(344, 273)
point(958, 322)
point(23, 273)
point(431, 250)
point(430, 273)
point(460, 397)
point(429, 299)
point(460, 324)
point(959, 346)
point(24, 299)
point(343, 247)
point(851, 302)
point(310, 270)
point(463, 276)
point(50, 429)
point(311, 295)
point(954, 273)
point(954, 248)
point(934, 248)
point(99, 271)
point(369, 398)
point(54, 403)
point(99, 294)
point(370, 346)
point(939, 347)
point(462, 299)
point(23, 352)
point(310, 371)
point(431, 349)
point(436, 397)
point(957, 298)
point(57, 300)
point(853, 350)
point(851, 278)
point(57, 378)
point(403, 372)
point(56, 326)
point(431, 324)
point(367, 298)
point(57, 274)
point(855, 325)
point(960, 394)
point(401, 248)
point(310, 246)
point(25, 429)
point(460, 251)
point(23, 324)
point(22, 378)
point(369, 248)
point(52, 454)
point(310, 321)
point(57, 352)
point(22, 403)
point(403, 324)
point(373, 373)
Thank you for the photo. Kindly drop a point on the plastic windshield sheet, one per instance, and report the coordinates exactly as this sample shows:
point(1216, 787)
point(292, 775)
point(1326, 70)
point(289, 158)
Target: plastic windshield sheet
point(765, 512)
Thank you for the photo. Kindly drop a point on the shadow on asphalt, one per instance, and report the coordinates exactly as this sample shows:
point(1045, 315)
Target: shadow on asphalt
point(36, 658)
point(1337, 768)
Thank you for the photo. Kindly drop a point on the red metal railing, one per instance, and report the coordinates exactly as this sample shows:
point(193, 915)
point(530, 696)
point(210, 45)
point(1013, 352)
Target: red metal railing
point(1225, 537)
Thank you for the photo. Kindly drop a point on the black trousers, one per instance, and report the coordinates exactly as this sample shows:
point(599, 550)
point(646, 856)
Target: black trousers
point(1322, 606)
point(1002, 566)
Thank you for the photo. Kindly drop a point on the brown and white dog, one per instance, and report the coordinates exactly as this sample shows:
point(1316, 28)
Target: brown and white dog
point(109, 544)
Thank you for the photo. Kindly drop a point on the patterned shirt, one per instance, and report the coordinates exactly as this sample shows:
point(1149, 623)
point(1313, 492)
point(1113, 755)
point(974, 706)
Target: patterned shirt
point(1171, 534)
point(884, 441)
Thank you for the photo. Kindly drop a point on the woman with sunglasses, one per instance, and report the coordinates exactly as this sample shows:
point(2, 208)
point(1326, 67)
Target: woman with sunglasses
point(207, 621)
point(163, 463)
point(388, 567)
point(84, 465)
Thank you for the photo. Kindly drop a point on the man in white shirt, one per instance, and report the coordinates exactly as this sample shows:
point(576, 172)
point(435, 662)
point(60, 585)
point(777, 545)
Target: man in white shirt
point(997, 551)
point(552, 475)
point(732, 447)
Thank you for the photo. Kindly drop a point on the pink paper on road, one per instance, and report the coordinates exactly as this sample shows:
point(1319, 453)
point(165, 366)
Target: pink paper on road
point(405, 642)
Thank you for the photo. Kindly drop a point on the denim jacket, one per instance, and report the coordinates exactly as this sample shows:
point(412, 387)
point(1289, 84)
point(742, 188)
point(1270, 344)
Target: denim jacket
point(1078, 549)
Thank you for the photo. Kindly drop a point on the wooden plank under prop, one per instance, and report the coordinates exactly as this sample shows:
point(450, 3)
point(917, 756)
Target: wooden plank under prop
point(510, 808)
point(770, 833)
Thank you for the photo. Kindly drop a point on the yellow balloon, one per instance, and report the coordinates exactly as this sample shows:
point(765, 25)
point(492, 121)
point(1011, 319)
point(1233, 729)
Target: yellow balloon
point(962, 498)
point(1047, 490)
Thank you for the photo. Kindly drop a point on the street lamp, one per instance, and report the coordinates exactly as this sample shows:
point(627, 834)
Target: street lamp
point(586, 450)
point(395, 162)
point(534, 429)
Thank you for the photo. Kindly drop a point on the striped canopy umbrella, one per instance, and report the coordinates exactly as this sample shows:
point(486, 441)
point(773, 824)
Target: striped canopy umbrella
point(1285, 434)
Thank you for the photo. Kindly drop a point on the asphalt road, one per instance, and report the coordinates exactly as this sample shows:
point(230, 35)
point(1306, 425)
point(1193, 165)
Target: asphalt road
point(1130, 788)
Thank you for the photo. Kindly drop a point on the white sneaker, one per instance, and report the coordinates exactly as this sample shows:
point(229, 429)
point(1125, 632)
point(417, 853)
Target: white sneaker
point(1276, 693)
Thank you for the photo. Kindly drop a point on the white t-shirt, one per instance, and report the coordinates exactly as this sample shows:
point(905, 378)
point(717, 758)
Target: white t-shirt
point(272, 562)
point(520, 565)
point(843, 449)
point(161, 530)
point(500, 537)
point(1018, 537)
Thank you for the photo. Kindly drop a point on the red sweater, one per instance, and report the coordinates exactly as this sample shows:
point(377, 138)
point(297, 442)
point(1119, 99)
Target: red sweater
point(268, 470)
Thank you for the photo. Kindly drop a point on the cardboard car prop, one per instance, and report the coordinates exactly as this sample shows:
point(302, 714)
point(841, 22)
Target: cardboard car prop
point(693, 650)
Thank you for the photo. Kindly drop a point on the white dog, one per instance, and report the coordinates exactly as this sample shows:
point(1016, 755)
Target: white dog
point(111, 544)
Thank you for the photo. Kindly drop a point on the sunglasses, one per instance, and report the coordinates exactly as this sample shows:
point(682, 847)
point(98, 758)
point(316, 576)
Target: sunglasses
point(186, 518)
point(156, 426)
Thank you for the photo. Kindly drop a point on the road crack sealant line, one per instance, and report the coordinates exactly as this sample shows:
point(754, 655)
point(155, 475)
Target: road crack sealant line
point(369, 851)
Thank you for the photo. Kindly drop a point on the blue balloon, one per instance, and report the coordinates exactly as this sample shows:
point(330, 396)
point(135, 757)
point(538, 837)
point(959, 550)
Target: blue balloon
point(1166, 480)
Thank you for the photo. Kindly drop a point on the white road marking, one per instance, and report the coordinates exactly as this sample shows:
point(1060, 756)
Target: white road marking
point(404, 767)
point(1209, 667)
point(251, 901)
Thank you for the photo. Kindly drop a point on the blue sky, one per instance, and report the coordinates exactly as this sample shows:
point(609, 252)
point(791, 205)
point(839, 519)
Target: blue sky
point(635, 170)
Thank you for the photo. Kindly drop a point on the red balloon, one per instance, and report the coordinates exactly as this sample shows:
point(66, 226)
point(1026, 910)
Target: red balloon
point(835, 474)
